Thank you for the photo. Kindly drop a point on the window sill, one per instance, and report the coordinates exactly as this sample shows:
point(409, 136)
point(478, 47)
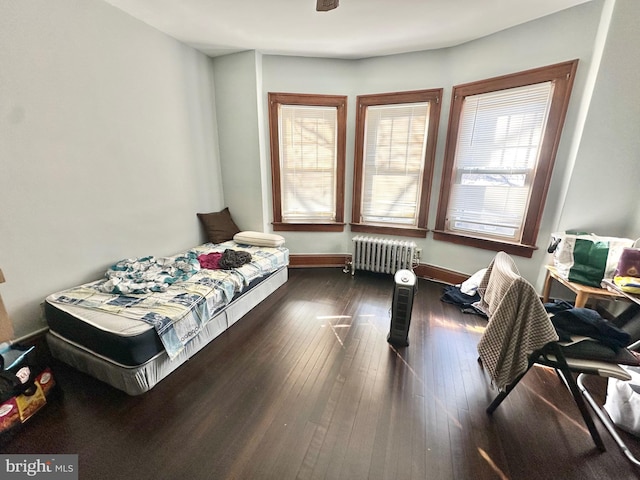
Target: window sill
point(381, 229)
point(517, 249)
point(308, 227)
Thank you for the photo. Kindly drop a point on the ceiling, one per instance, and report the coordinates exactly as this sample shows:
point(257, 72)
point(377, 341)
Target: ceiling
point(356, 29)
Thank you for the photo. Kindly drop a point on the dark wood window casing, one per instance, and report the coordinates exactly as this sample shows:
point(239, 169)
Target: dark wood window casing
point(562, 75)
point(434, 98)
point(340, 103)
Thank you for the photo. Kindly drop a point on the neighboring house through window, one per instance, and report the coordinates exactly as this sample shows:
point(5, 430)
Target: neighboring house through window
point(393, 166)
point(308, 136)
point(501, 145)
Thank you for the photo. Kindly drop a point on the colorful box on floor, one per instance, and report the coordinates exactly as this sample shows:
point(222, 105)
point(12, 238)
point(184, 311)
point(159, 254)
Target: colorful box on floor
point(17, 410)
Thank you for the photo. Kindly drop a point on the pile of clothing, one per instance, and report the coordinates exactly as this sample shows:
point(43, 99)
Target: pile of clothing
point(224, 260)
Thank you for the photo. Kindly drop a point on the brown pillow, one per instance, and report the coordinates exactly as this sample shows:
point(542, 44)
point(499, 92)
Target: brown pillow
point(218, 226)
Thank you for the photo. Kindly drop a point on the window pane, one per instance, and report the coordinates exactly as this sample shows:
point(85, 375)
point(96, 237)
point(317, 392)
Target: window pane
point(394, 153)
point(488, 209)
point(308, 162)
point(497, 152)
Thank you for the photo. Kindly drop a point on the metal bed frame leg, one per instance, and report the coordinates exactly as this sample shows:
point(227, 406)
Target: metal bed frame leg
point(604, 418)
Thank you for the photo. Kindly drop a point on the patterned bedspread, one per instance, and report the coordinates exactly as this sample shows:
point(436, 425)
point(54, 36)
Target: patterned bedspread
point(180, 311)
point(148, 274)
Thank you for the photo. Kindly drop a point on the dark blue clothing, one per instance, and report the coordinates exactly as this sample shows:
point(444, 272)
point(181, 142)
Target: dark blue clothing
point(453, 294)
point(589, 323)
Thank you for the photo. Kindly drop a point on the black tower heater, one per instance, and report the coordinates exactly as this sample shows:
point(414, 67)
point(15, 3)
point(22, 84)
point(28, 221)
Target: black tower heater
point(403, 292)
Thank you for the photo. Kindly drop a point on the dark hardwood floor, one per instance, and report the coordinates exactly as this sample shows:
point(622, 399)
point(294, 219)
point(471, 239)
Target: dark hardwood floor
point(306, 386)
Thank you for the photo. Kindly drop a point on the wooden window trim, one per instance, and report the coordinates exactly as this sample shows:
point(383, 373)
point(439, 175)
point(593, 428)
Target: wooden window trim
point(308, 227)
point(386, 230)
point(485, 243)
point(562, 74)
point(338, 101)
point(434, 96)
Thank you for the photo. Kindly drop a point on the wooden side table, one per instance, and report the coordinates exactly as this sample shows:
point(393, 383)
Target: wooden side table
point(583, 292)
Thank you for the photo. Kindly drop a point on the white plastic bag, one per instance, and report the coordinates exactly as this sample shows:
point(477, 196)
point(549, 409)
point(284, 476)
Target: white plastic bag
point(623, 401)
point(586, 258)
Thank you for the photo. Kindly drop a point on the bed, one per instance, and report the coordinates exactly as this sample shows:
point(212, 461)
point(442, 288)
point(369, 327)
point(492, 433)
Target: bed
point(132, 334)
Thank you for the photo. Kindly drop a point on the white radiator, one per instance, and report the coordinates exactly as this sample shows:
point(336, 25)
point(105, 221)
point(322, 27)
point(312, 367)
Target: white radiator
point(382, 255)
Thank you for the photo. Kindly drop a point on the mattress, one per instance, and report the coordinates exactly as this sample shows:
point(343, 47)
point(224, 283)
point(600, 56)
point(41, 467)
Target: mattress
point(126, 341)
point(130, 331)
point(137, 379)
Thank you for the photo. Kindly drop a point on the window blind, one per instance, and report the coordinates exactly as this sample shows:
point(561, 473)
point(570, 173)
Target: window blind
point(308, 162)
point(394, 152)
point(497, 150)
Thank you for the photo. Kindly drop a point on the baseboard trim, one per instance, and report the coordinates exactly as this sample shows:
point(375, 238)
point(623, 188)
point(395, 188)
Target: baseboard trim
point(439, 274)
point(322, 260)
point(318, 260)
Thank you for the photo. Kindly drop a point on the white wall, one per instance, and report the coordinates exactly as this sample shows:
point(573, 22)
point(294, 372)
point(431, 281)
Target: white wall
point(107, 146)
point(236, 78)
point(110, 143)
point(317, 76)
point(567, 35)
point(603, 193)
